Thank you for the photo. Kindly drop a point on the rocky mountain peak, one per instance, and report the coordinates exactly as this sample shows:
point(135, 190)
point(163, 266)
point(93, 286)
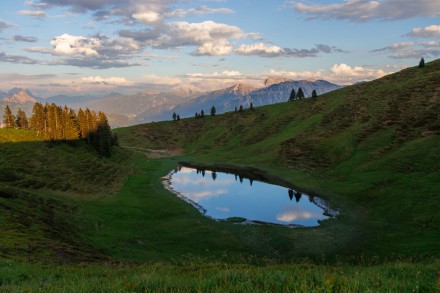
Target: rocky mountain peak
point(274, 80)
point(20, 97)
point(241, 88)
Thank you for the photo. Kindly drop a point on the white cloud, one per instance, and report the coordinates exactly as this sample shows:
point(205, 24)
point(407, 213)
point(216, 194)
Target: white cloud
point(432, 31)
point(357, 73)
point(96, 51)
point(120, 81)
point(147, 17)
point(260, 49)
point(33, 13)
point(71, 45)
point(209, 37)
point(365, 10)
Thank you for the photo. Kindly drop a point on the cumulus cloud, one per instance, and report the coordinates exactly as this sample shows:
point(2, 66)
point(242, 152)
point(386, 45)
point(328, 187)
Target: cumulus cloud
point(366, 10)
point(97, 51)
point(356, 73)
point(5, 25)
point(28, 39)
point(121, 81)
point(33, 13)
point(432, 31)
point(272, 51)
point(210, 38)
point(406, 50)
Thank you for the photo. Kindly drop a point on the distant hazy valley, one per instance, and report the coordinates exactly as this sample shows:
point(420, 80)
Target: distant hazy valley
point(125, 110)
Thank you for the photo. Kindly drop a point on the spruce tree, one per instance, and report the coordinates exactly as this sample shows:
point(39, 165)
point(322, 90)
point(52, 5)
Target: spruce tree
point(314, 94)
point(292, 95)
point(422, 63)
point(174, 116)
point(300, 94)
point(21, 121)
point(102, 139)
point(213, 111)
point(202, 114)
point(38, 120)
point(240, 109)
point(8, 118)
point(251, 107)
point(178, 117)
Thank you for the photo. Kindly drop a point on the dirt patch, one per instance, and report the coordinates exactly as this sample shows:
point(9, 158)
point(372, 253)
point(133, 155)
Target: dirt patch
point(156, 154)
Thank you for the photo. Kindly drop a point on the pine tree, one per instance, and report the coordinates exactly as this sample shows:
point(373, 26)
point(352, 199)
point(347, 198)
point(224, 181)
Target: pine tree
point(178, 117)
point(102, 139)
point(21, 121)
point(240, 109)
point(174, 116)
point(82, 124)
point(292, 95)
point(235, 109)
point(251, 107)
point(300, 94)
point(38, 120)
point(422, 63)
point(197, 115)
point(115, 140)
point(8, 118)
point(314, 94)
point(202, 114)
point(213, 111)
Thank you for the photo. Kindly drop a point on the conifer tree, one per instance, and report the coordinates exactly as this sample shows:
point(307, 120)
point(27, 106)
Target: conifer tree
point(178, 117)
point(21, 121)
point(38, 120)
point(422, 63)
point(82, 124)
point(240, 109)
point(213, 111)
point(8, 118)
point(292, 95)
point(251, 107)
point(314, 94)
point(174, 116)
point(197, 115)
point(300, 94)
point(202, 114)
point(103, 137)
point(115, 140)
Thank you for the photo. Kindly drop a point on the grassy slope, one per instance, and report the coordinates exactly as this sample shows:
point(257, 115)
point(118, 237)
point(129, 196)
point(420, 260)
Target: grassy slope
point(371, 149)
point(368, 149)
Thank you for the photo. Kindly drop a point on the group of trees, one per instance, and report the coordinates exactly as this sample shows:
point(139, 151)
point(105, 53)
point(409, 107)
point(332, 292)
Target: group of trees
point(300, 95)
point(176, 117)
point(56, 123)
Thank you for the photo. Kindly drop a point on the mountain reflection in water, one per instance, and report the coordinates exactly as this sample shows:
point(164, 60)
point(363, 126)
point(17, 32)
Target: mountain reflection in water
point(225, 195)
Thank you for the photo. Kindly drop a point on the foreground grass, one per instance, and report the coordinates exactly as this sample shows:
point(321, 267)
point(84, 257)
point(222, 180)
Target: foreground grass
point(217, 277)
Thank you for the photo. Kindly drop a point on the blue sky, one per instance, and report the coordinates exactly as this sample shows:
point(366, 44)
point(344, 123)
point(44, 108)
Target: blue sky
point(89, 46)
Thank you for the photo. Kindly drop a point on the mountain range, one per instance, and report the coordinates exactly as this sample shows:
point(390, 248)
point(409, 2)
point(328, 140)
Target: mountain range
point(124, 110)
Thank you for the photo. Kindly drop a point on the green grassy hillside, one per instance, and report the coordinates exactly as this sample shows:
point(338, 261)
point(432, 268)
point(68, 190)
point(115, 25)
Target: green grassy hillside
point(370, 149)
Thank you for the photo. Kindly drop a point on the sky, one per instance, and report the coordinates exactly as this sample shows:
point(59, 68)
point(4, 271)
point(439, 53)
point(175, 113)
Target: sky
point(79, 47)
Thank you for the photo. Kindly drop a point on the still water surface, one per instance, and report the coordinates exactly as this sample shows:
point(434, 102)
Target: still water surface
point(222, 196)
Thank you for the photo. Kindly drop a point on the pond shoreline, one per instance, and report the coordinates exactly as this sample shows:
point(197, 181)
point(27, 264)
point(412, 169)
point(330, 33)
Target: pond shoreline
point(264, 176)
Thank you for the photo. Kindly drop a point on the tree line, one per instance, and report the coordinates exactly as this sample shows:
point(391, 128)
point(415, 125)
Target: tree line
point(56, 123)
